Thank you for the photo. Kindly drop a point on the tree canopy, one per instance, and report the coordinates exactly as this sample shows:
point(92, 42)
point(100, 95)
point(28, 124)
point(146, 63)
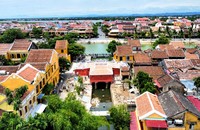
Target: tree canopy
point(197, 83)
point(10, 35)
point(120, 117)
point(37, 32)
point(112, 46)
point(64, 64)
point(59, 115)
point(144, 82)
point(76, 50)
point(161, 40)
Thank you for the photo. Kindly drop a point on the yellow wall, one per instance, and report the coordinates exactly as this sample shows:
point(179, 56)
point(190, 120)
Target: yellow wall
point(13, 55)
point(14, 81)
point(190, 117)
point(117, 58)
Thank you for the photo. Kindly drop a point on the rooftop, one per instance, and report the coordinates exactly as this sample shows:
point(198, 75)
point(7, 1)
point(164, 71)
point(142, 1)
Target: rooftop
point(134, 43)
point(61, 44)
point(21, 44)
point(151, 105)
point(177, 44)
point(156, 54)
point(4, 48)
point(191, 56)
point(41, 55)
point(141, 58)
point(124, 50)
point(154, 71)
point(175, 53)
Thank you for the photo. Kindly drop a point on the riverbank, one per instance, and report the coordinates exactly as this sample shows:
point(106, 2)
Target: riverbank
point(143, 41)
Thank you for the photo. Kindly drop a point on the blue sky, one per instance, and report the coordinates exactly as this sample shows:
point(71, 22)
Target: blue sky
point(53, 8)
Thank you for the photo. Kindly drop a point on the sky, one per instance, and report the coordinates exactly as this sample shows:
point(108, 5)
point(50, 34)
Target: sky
point(70, 8)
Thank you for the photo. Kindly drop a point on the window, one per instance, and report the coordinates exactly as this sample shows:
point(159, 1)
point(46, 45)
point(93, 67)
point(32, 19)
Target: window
point(30, 102)
point(54, 66)
point(191, 127)
point(40, 85)
point(18, 56)
point(116, 57)
point(37, 89)
point(20, 112)
point(120, 58)
point(43, 81)
point(62, 51)
point(26, 109)
point(127, 58)
point(12, 56)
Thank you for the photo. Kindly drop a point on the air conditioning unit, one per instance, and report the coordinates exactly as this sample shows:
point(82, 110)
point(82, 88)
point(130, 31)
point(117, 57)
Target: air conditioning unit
point(178, 122)
point(169, 122)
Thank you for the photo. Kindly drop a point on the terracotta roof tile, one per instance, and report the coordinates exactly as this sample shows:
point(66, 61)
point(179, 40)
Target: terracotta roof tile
point(191, 50)
point(10, 69)
point(176, 53)
point(4, 48)
point(147, 103)
point(163, 80)
point(40, 55)
point(40, 65)
point(21, 44)
point(3, 77)
point(177, 44)
point(61, 44)
point(154, 71)
point(165, 47)
point(28, 73)
point(134, 43)
point(191, 56)
point(156, 54)
point(196, 62)
point(123, 51)
point(141, 58)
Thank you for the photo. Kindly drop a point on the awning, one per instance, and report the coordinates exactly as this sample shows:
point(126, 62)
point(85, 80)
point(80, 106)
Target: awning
point(38, 109)
point(133, 123)
point(156, 124)
point(40, 96)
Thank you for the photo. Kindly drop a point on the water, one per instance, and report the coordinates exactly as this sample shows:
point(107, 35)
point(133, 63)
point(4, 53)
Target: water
point(95, 48)
point(102, 94)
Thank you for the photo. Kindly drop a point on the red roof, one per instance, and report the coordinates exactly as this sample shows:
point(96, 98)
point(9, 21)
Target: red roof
point(156, 124)
point(194, 101)
point(133, 123)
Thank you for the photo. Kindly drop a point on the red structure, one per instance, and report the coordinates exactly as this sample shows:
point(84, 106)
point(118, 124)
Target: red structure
point(99, 72)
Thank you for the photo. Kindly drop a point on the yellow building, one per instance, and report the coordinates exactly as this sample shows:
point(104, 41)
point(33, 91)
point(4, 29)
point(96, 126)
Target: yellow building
point(125, 52)
point(181, 113)
point(61, 48)
point(29, 76)
point(20, 49)
point(150, 113)
point(45, 60)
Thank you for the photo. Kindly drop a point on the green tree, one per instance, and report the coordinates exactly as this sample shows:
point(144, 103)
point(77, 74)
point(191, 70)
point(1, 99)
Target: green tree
point(64, 64)
point(11, 121)
point(37, 32)
point(120, 117)
point(48, 88)
point(112, 46)
point(197, 83)
point(161, 40)
point(76, 50)
point(71, 37)
point(144, 82)
point(10, 35)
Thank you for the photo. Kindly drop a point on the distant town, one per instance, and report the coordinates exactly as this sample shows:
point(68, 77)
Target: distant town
point(137, 73)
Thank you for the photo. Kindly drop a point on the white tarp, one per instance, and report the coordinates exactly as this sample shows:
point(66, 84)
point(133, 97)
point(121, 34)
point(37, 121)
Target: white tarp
point(38, 109)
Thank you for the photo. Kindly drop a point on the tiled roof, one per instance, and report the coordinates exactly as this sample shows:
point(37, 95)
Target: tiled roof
point(4, 48)
point(154, 71)
point(156, 54)
point(40, 65)
point(28, 72)
point(195, 101)
point(3, 77)
point(21, 44)
point(178, 63)
point(196, 62)
point(177, 44)
point(174, 103)
point(148, 103)
point(25, 95)
point(124, 50)
point(191, 50)
point(10, 69)
point(163, 80)
point(165, 47)
point(61, 44)
point(141, 58)
point(191, 56)
point(176, 53)
point(134, 43)
point(133, 123)
point(40, 55)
